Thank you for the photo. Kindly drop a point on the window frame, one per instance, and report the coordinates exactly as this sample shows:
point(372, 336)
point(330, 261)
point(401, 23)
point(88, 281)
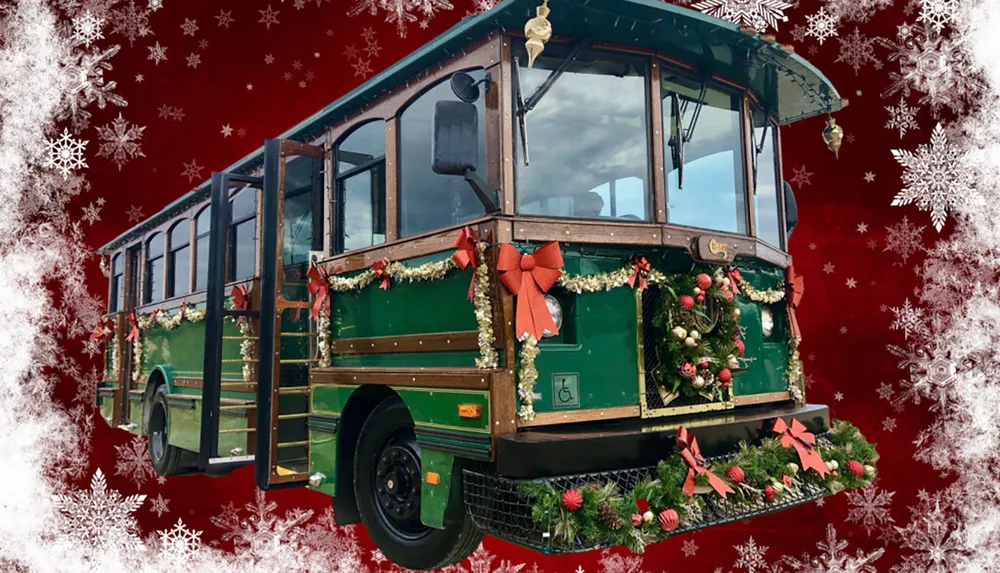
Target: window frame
point(196, 239)
point(171, 272)
point(147, 287)
point(231, 225)
point(337, 197)
point(116, 303)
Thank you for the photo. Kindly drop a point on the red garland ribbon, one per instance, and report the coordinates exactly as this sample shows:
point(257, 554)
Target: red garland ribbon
point(696, 465)
point(528, 277)
point(794, 288)
point(104, 330)
point(641, 267)
point(796, 435)
point(735, 278)
point(318, 286)
point(241, 298)
point(133, 323)
point(467, 255)
point(183, 310)
point(379, 268)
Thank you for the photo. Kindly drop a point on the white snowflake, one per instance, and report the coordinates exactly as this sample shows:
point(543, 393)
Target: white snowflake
point(65, 154)
point(120, 141)
point(856, 10)
point(934, 536)
point(903, 239)
point(157, 53)
point(757, 14)
point(225, 18)
point(938, 13)
point(856, 50)
point(131, 22)
point(932, 375)
point(178, 544)
point(160, 505)
point(909, 319)
point(480, 6)
point(751, 556)
point(87, 28)
point(91, 214)
point(262, 535)
point(935, 177)
point(336, 546)
point(902, 117)
point(833, 558)
point(400, 12)
point(155, 5)
point(193, 60)
point(189, 27)
point(822, 25)
point(869, 507)
point(191, 170)
point(133, 461)
point(86, 85)
point(481, 561)
point(268, 16)
point(100, 518)
point(689, 547)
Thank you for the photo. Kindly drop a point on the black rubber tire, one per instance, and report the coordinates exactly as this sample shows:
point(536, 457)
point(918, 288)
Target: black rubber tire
point(167, 460)
point(390, 427)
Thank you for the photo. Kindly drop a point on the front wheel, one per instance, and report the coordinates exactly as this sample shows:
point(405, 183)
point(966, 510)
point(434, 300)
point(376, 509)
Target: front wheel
point(167, 460)
point(387, 484)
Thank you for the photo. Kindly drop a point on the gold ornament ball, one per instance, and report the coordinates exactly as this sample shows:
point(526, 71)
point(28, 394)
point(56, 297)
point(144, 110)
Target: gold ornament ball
point(648, 517)
point(689, 342)
point(869, 471)
point(679, 332)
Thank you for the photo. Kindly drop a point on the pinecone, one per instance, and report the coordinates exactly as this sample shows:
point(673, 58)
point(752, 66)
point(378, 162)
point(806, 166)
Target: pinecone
point(608, 516)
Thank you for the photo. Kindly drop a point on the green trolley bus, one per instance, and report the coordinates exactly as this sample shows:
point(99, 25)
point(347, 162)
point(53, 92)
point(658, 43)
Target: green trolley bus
point(498, 288)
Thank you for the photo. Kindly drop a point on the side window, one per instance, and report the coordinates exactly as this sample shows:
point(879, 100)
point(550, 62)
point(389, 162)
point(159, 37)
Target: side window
point(203, 224)
point(155, 267)
point(117, 284)
point(300, 173)
point(179, 260)
point(243, 235)
point(767, 210)
point(427, 200)
point(360, 188)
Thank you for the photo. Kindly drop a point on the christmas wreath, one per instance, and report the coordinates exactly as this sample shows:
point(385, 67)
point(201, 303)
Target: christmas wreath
point(697, 322)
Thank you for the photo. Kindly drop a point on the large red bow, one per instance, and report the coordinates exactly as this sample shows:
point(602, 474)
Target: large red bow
point(467, 255)
point(318, 286)
point(640, 266)
point(133, 323)
point(241, 298)
point(696, 465)
point(528, 277)
point(104, 330)
point(794, 288)
point(735, 278)
point(380, 273)
point(796, 435)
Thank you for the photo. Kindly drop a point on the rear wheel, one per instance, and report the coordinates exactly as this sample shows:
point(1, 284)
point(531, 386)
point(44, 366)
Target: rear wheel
point(167, 460)
point(387, 484)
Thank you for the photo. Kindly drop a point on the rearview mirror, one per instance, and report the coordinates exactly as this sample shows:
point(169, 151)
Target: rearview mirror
point(454, 146)
point(791, 210)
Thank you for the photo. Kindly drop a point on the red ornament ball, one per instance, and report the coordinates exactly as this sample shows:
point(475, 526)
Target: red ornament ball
point(725, 376)
point(701, 298)
point(735, 474)
point(703, 281)
point(642, 505)
point(740, 347)
point(688, 370)
point(572, 499)
point(787, 481)
point(703, 365)
point(768, 493)
point(686, 302)
point(637, 520)
point(855, 468)
point(669, 520)
point(728, 293)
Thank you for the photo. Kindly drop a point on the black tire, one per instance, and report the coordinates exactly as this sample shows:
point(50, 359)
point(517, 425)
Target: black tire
point(167, 460)
point(387, 481)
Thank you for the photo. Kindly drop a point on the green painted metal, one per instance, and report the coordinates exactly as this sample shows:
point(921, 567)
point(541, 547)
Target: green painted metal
point(768, 358)
point(434, 498)
point(429, 407)
point(183, 348)
point(330, 400)
point(135, 414)
point(184, 421)
point(323, 459)
point(458, 358)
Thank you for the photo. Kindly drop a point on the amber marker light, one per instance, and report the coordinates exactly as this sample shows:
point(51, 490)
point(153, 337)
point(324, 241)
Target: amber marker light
point(433, 478)
point(470, 411)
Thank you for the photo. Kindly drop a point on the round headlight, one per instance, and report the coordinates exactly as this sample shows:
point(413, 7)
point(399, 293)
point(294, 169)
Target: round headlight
point(555, 309)
point(766, 321)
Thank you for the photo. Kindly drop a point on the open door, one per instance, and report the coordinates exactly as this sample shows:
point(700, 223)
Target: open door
point(293, 209)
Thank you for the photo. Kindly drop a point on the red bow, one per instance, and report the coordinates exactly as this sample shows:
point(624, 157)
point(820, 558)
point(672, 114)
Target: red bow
point(104, 330)
point(796, 435)
point(531, 275)
point(133, 322)
point(794, 288)
point(735, 278)
point(692, 455)
point(318, 286)
point(641, 266)
point(467, 245)
point(379, 268)
point(241, 299)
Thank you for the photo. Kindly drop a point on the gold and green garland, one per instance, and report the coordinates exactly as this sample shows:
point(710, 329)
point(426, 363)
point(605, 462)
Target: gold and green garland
point(600, 513)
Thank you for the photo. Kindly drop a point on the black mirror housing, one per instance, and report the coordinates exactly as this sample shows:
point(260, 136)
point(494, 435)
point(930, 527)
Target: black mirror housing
point(791, 210)
point(455, 145)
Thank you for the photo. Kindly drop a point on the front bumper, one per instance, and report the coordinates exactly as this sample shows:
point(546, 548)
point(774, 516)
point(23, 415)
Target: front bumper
point(626, 454)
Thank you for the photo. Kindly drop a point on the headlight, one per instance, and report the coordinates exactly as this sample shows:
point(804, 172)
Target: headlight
point(766, 321)
point(555, 309)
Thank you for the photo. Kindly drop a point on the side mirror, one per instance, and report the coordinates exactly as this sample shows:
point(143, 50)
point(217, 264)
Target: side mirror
point(791, 210)
point(455, 148)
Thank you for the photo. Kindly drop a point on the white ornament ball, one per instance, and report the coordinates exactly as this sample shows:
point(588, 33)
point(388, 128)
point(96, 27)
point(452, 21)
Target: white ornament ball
point(696, 291)
point(869, 471)
point(793, 468)
point(736, 312)
point(829, 466)
point(648, 517)
point(679, 332)
point(778, 487)
point(698, 382)
point(725, 281)
point(733, 362)
point(694, 334)
point(834, 465)
point(690, 342)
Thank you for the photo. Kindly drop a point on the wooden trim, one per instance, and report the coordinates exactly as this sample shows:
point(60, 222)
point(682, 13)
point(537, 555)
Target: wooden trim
point(578, 231)
point(494, 128)
point(329, 196)
point(507, 154)
point(769, 397)
point(658, 160)
point(197, 383)
point(391, 181)
point(573, 416)
point(749, 193)
point(422, 377)
point(503, 404)
point(782, 223)
point(290, 147)
point(772, 255)
point(435, 342)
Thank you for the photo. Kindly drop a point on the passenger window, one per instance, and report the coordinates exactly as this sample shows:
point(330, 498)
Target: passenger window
point(203, 224)
point(243, 235)
point(713, 194)
point(427, 200)
point(361, 188)
point(154, 269)
point(179, 261)
point(117, 283)
point(766, 210)
point(300, 173)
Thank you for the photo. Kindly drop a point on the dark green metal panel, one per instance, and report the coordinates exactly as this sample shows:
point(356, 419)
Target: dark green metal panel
point(434, 498)
point(183, 348)
point(459, 358)
point(330, 400)
point(768, 358)
point(429, 407)
point(323, 459)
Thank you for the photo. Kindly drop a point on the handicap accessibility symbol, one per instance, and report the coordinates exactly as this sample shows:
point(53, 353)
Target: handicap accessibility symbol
point(565, 391)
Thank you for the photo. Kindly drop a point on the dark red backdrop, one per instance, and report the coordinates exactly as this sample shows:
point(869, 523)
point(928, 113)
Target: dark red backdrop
point(845, 329)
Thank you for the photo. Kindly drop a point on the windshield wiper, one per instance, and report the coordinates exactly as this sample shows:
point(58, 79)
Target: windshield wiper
point(524, 106)
point(757, 150)
point(678, 134)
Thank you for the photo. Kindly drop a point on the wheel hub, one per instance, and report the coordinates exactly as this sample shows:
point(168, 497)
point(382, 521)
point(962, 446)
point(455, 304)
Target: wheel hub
point(397, 487)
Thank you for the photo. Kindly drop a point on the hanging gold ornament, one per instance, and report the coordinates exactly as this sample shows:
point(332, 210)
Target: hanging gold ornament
point(538, 31)
point(833, 135)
